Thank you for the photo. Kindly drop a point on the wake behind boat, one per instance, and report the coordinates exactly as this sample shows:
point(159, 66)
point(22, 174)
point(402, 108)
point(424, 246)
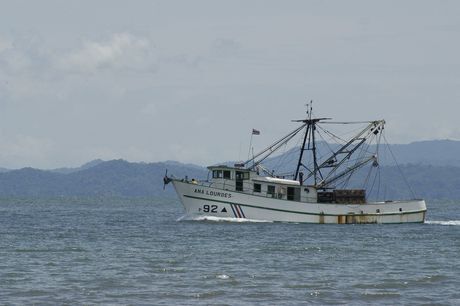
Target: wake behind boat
point(314, 192)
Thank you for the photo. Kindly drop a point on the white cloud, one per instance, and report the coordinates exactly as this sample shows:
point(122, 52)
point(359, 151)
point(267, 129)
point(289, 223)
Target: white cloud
point(29, 55)
point(23, 56)
point(122, 51)
point(5, 44)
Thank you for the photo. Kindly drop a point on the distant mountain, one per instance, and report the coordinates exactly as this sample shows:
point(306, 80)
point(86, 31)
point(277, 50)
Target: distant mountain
point(431, 182)
point(125, 179)
point(66, 170)
point(83, 167)
point(409, 181)
point(433, 152)
point(432, 169)
point(110, 178)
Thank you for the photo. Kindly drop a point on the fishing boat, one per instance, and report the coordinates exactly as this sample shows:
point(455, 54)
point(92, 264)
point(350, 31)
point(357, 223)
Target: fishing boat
point(314, 192)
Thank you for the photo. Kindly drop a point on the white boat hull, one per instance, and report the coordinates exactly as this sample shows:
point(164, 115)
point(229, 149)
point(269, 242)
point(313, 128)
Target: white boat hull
point(199, 200)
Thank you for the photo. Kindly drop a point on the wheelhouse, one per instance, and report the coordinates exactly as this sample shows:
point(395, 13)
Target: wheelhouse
point(250, 182)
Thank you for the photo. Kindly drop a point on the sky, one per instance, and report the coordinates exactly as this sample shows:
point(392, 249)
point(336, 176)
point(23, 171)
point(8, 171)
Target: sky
point(188, 80)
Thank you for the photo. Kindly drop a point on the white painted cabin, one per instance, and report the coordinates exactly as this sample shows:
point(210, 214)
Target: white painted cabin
point(250, 182)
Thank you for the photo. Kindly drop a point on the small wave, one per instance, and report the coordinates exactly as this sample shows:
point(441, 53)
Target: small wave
point(223, 276)
point(182, 218)
point(220, 219)
point(450, 222)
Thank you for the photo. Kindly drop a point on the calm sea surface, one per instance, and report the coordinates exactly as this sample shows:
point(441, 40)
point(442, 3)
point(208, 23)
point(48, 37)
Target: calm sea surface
point(106, 251)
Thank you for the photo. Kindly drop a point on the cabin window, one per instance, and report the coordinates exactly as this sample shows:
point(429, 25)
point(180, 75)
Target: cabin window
point(257, 187)
point(239, 186)
point(271, 190)
point(242, 175)
point(227, 174)
point(217, 174)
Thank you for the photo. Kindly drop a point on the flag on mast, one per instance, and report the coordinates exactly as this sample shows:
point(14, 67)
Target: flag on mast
point(255, 132)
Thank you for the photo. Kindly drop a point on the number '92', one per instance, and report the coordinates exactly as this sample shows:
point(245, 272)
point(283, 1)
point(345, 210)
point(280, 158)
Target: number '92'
point(210, 208)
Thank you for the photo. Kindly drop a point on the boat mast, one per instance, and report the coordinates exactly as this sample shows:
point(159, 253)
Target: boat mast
point(309, 141)
point(315, 159)
point(302, 149)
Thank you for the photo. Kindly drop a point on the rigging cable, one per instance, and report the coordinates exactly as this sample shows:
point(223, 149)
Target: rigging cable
point(399, 168)
point(377, 166)
point(378, 171)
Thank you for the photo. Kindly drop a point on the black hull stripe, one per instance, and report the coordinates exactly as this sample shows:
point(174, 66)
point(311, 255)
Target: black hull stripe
point(241, 210)
point(233, 209)
point(300, 212)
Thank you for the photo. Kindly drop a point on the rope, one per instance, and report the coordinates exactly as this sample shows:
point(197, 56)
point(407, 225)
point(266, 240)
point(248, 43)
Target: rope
point(399, 168)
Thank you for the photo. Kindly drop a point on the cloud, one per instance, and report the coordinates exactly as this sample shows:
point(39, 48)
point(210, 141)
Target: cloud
point(122, 51)
point(5, 44)
point(226, 47)
point(23, 55)
point(28, 55)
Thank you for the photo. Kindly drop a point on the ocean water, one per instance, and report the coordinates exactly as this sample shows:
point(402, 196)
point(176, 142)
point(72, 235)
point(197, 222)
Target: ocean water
point(141, 252)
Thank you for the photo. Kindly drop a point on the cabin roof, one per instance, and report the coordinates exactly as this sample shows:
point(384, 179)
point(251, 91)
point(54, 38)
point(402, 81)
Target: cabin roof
point(276, 180)
point(225, 167)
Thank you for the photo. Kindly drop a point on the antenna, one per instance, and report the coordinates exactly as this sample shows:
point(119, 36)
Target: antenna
point(309, 107)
